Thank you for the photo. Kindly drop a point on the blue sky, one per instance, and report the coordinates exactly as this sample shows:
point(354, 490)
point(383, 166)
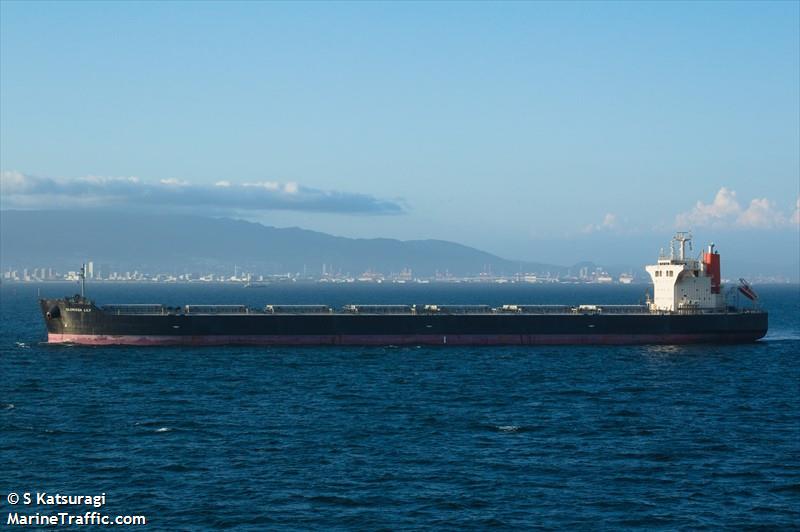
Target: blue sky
point(541, 131)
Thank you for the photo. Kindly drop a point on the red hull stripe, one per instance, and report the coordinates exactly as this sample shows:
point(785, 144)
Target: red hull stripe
point(460, 339)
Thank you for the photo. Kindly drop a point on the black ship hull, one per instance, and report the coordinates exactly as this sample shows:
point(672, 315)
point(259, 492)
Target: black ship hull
point(83, 323)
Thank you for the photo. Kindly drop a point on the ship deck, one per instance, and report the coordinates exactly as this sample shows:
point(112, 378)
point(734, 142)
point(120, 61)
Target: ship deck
point(401, 310)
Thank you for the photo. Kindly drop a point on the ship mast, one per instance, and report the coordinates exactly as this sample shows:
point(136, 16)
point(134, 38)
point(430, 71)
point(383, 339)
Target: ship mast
point(82, 276)
point(681, 238)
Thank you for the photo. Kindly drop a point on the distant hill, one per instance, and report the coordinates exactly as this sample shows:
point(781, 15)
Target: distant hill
point(178, 243)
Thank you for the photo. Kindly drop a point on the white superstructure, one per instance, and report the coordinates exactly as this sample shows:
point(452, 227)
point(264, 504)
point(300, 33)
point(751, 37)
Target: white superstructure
point(681, 283)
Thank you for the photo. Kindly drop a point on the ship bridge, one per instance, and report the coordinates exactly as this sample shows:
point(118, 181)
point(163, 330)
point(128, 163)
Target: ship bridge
point(681, 283)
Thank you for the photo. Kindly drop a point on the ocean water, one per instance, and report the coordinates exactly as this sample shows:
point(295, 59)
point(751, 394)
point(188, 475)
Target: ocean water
point(386, 438)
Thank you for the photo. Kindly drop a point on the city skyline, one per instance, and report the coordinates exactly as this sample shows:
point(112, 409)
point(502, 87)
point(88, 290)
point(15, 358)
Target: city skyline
point(583, 274)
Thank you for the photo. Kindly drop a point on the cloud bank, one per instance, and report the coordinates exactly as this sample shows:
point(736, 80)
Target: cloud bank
point(22, 191)
point(725, 211)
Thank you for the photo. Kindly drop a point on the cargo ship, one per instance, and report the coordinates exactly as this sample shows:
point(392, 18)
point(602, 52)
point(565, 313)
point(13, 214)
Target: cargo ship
point(688, 305)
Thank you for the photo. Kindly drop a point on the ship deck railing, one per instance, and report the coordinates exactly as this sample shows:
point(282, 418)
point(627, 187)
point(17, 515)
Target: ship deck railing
point(411, 310)
point(135, 309)
point(298, 309)
point(216, 309)
point(534, 309)
point(457, 309)
point(379, 309)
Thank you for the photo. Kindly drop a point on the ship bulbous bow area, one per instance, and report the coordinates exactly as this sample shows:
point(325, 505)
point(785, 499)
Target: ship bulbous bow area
point(61, 315)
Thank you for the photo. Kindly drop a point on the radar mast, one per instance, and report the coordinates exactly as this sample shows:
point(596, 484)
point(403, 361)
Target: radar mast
point(681, 238)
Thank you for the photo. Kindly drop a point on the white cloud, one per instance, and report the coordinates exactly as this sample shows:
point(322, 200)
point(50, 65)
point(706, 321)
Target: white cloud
point(717, 212)
point(289, 187)
point(21, 191)
point(726, 211)
point(796, 216)
point(102, 180)
point(609, 222)
point(11, 181)
point(268, 185)
point(761, 213)
point(174, 182)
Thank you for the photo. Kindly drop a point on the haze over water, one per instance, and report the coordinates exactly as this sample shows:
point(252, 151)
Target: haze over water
point(474, 438)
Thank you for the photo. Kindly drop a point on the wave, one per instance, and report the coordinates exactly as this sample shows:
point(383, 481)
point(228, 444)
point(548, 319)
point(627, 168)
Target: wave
point(781, 337)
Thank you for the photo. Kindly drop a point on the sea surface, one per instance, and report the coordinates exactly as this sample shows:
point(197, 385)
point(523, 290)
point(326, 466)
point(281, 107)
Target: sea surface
point(255, 438)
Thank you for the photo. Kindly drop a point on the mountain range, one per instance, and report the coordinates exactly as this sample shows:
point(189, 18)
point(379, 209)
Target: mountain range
point(63, 239)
